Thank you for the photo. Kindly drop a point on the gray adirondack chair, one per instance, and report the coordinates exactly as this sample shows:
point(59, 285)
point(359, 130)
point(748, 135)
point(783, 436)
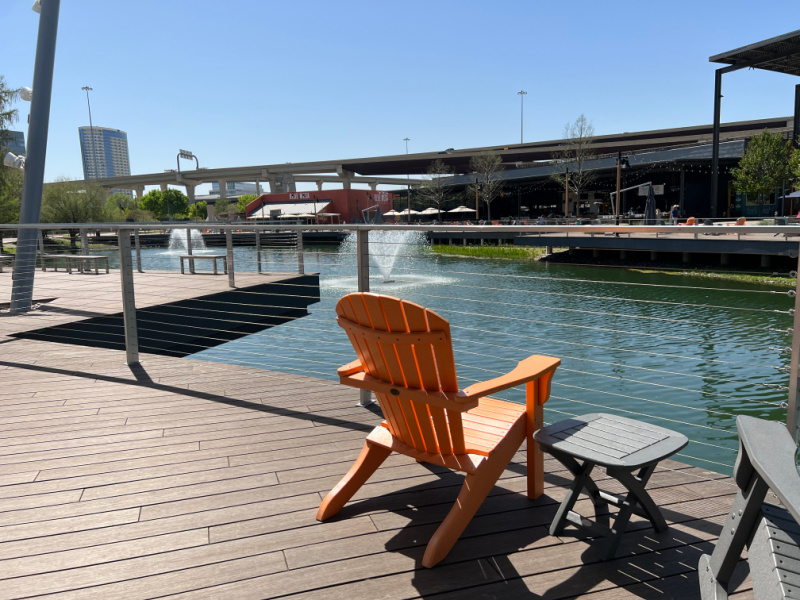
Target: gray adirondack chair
point(767, 462)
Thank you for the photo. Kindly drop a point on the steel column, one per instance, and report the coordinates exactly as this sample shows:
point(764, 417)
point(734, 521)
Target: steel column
point(715, 142)
point(31, 205)
point(796, 129)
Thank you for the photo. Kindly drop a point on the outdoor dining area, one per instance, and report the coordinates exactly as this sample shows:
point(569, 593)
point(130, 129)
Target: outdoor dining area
point(431, 213)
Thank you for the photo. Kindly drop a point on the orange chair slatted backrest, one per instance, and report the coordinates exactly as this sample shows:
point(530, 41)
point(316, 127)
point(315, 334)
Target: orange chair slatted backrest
point(418, 354)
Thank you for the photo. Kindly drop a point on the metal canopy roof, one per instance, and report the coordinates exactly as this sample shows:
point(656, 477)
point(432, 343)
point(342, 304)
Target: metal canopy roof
point(780, 54)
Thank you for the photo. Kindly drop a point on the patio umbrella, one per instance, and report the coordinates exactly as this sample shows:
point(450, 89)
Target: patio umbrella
point(430, 211)
point(461, 209)
point(792, 195)
point(650, 207)
point(391, 213)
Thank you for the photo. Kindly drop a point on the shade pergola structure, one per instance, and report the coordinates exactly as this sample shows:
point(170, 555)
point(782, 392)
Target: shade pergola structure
point(780, 54)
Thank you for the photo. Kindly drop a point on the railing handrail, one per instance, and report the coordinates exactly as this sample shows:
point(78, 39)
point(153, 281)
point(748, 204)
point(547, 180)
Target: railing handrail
point(595, 229)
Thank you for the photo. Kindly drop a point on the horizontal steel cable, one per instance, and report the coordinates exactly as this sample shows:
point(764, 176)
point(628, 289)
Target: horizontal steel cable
point(705, 378)
point(641, 414)
point(611, 348)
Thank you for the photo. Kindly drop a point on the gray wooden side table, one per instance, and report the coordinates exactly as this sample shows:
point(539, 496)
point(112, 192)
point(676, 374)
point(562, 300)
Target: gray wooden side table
point(621, 446)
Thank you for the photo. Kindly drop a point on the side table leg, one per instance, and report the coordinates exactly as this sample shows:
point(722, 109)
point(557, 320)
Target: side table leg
point(636, 495)
point(581, 473)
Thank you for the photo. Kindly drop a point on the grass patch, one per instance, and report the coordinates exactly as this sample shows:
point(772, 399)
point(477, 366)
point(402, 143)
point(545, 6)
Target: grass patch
point(787, 282)
point(501, 252)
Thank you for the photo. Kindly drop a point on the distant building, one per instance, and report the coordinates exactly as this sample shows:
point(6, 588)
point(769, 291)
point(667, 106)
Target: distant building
point(16, 143)
point(104, 152)
point(234, 189)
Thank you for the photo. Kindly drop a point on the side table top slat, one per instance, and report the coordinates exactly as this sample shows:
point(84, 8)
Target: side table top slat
point(611, 441)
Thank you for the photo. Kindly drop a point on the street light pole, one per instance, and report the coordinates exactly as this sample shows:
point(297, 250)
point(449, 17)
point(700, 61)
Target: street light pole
point(33, 180)
point(408, 185)
point(521, 95)
point(87, 89)
point(619, 180)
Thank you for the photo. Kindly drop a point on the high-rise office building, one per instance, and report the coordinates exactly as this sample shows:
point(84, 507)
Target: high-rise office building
point(15, 143)
point(104, 152)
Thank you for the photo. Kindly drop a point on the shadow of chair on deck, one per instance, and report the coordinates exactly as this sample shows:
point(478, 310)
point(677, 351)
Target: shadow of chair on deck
point(506, 551)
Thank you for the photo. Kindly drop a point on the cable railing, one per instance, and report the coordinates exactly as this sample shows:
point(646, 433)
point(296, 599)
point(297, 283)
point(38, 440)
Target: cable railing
point(686, 353)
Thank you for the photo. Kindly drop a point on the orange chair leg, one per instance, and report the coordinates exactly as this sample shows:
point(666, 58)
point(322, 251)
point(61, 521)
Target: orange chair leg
point(371, 457)
point(474, 491)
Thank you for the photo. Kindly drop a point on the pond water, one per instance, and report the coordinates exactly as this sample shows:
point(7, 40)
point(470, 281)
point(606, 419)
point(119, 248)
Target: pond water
point(681, 352)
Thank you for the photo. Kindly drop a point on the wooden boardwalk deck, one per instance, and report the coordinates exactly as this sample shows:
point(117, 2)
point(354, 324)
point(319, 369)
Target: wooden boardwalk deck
point(190, 479)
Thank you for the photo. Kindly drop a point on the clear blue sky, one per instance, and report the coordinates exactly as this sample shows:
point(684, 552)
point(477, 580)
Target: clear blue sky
point(247, 82)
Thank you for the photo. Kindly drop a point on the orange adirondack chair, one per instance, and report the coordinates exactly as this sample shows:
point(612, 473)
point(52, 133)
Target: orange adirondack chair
point(405, 356)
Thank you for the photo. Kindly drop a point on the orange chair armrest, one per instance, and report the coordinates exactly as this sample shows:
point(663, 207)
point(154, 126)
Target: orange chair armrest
point(526, 370)
point(446, 400)
point(350, 368)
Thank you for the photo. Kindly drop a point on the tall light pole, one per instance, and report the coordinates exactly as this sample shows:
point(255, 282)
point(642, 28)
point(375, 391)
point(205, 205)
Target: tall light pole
point(521, 95)
point(406, 140)
point(87, 89)
point(33, 180)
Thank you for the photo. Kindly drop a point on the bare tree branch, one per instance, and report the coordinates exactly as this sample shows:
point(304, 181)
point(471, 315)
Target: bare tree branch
point(576, 152)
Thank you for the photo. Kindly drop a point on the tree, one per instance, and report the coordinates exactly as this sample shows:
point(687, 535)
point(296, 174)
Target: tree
point(10, 179)
point(117, 207)
point(198, 211)
point(244, 200)
point(8, 115)
point(165, 204)
point(10, 194)
point(573, 156)
point(766, 163)
point(226, 210)
point(436, 186)
point(68, 201)
point(486, 167)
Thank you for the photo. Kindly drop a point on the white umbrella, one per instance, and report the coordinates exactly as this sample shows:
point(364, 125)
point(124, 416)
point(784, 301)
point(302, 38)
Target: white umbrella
point(461, 209)
point(408, 212)
point(430, 211)
point(391, 213)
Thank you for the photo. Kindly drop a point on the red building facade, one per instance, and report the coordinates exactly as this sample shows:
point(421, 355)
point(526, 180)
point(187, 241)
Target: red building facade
point(350, 205)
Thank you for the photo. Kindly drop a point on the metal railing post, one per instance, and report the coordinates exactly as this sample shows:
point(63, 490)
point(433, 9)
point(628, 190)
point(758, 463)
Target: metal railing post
point(362, 253)
point(301, 268)
point(258, 249)
point(229, 245)
point(189, 249)
point(793, 403)
point(138, 252)
point(128, 298)
point(84, 247)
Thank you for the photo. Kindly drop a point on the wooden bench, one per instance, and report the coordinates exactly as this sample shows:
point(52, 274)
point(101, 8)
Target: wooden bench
point(620, 445)
point(6, 259)
point(82, 259)
point(766, 462)
point(43, 258)
point(213, 257)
